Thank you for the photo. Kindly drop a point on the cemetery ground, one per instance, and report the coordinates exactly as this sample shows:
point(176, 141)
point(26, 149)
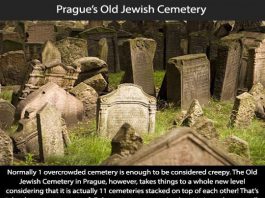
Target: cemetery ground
point(89, 149)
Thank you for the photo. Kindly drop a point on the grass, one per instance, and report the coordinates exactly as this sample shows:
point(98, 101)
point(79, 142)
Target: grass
point(89, 149)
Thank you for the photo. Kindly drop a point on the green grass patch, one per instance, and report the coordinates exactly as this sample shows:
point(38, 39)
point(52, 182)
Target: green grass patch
point(6, 95)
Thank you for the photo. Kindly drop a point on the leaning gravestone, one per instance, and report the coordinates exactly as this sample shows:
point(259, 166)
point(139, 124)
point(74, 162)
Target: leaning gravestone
point(227, 66)
point(93, 37)
point(14, 68)
point(243, 111)
point(188, 78)
point(50, 137)
point(6, 149)
point(128, 104)
point(50, 54)
point(180, 146)
point(72, 49)
point(71, 108)
point(140, 52)
point(7, 114)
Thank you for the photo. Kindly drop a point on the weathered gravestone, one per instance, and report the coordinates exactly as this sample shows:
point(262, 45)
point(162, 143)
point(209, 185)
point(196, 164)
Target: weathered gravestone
point(72, 49)
point(128, 104)
point(98, 83)
point(125, 143)
point(175, 36)
point(33, 51)
point(237, 146)
point(7, 114)
point(6, 149)
point(199, 42)
point(50, 54)
point(103, 49)
point(188, 78)
point(40, 33)
point(70, 107)
point(227, 67)
point(88, 96)
point(258, 92)
point(93, 37)
point(140, 52)
point(243, 111)
point(251, 26)
point(50, 137)
point(90, 66)
point(26, 138)
point(180, 146)
point(14, 68)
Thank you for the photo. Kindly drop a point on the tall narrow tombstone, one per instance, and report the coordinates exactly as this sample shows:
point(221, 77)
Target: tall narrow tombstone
point(175, 33)
point(127, 104)
point(7, 114)
point(188, 78)
point(243, 111)
point(140, 52)
point(103, 49)
point(180, 146)
point(72, 49)
point(199, 42)
point(227, 66)
point(40, 33)
point(50, 137)
point(93, 37)
point(6, 149)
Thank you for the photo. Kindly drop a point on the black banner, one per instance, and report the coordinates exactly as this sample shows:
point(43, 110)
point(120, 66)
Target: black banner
point(137, 181)
point(132, 9)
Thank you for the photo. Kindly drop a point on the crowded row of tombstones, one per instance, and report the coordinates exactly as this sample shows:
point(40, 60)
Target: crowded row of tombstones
point(58, 71)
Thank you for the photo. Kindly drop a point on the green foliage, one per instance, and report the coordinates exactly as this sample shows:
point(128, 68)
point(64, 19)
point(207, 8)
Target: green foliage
point(6, 95)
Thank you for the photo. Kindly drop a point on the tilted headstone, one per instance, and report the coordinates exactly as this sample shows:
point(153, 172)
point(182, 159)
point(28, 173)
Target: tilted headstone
point(70, 107)
point(50, 137)
point(180, 146)
point(14, 68)
point(7, 114)
point(93, 37)
point(258, 92)
point(90, 66)
point(188, 78)
point(50, 54)
point(40, 33)
point(6, 149)
point(237, 146)
point(88, 96)
point(125, 143)
point(98, 83)
point(140, 52)
point(127, 104)
point(72, 49)
point(175, 32)
point(243, 111)
point(227, 68)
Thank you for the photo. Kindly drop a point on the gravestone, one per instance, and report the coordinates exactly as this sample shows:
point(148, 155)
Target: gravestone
point(88, 96)
point(237, 146)
point(125, 143)
point(49, 127)
point(6, 149)
point(71, 49)
point(98, 83)
point(70, 107)
point(40, 33)
point(90, 66)
point(140, 52)
point(103, 49)
point(188, 78)
point(258, 92)
point(127, 104)
point(175, 33)
point(51, 54)
point(14, 68)
point(7, 114)
point(199, 42)
point(93, 37)
point(159, 53)
point(243, 111)
point(227, 68)
point(180, 146)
